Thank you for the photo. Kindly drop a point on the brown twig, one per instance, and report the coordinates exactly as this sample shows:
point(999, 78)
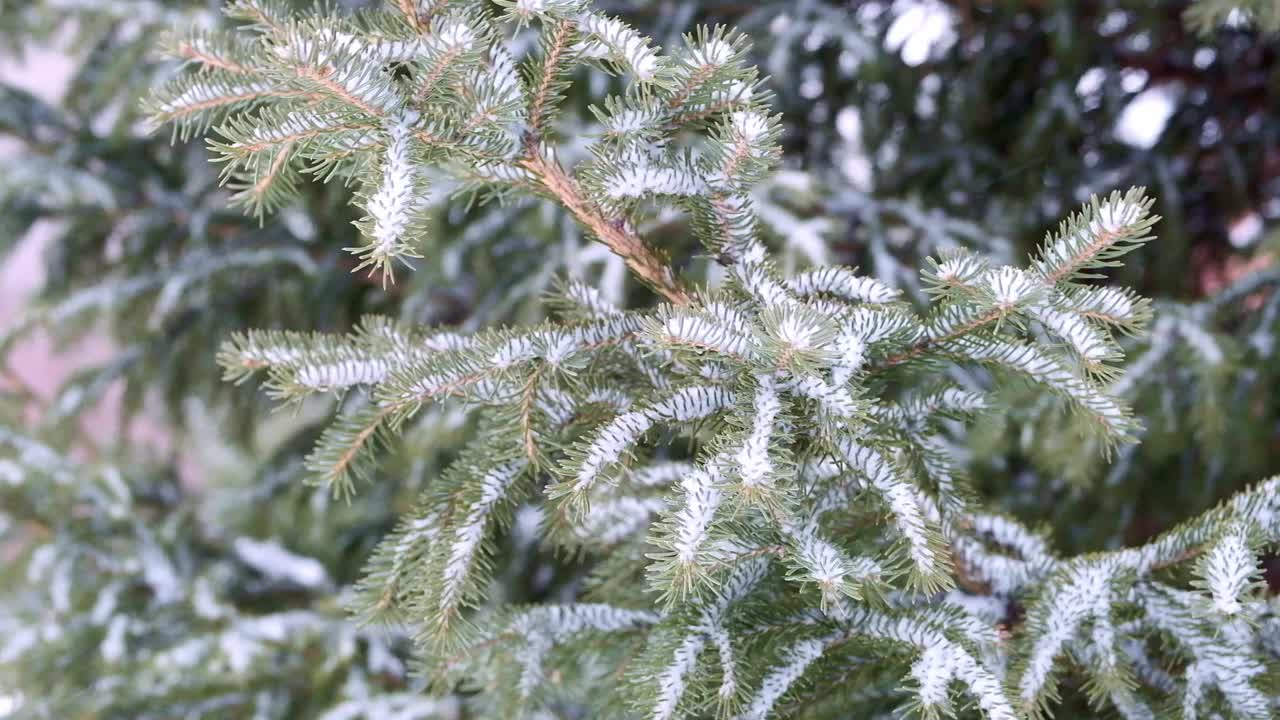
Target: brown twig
point(292, 138)
point(644, 261)
point(324, 78)
point(221, 100)
point(429, 82)
point(527, 406)
point(277, 164)
point(191, 52)
point(1104, 240)
point(919, 348)
point(551, 68)
point(409, 9)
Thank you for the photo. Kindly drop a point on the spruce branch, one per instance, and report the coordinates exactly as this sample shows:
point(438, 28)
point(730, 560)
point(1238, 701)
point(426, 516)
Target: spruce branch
point(644, 261)
point(790, 509)
point(553, 66)
point(214, 52)
point(267, 15)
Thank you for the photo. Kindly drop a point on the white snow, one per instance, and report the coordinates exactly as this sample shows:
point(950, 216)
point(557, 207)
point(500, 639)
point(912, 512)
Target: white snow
point(921, 29)
point(113, 643)
point(272, 559)
point(1143, 120)
point(1245, 230)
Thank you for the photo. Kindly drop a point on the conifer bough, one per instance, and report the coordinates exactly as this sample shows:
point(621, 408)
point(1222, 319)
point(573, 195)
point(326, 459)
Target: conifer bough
point(774, 458)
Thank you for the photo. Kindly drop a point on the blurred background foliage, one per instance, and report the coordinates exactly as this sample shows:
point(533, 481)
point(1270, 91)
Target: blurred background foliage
point(911, 127)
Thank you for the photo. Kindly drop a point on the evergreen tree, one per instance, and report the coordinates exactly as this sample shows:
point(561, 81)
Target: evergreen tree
point(713, 474)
